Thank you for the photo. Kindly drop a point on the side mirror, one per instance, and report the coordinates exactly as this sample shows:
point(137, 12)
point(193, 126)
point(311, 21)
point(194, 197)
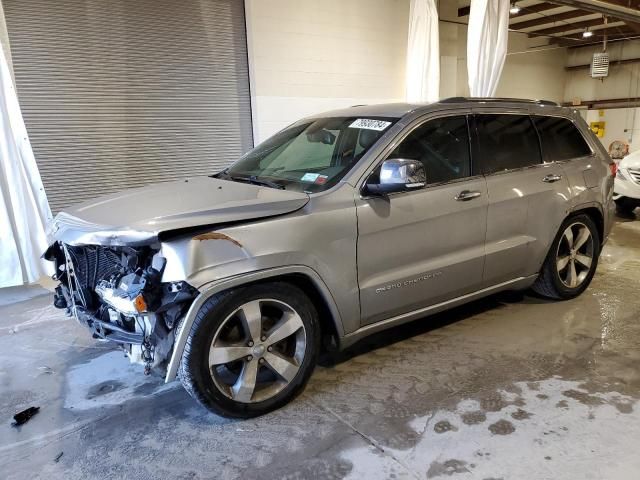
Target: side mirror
point(398, 175)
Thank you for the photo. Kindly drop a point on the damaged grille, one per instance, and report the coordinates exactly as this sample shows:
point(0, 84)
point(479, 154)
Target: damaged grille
point(94, 263)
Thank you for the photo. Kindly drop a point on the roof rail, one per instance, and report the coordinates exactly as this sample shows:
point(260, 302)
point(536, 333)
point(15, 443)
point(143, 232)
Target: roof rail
point(498, 100)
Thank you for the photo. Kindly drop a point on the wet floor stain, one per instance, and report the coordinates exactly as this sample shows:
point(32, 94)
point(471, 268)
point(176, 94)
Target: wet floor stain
point(473, 418)
point(447, 468)
point(444, 426)
point(520, 414)
point(502, 427)
point(104, 388)
point(583, 397)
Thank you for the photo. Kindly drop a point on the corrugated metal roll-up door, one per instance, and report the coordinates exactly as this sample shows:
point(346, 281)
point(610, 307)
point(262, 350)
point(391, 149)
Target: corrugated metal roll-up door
point(122, 93)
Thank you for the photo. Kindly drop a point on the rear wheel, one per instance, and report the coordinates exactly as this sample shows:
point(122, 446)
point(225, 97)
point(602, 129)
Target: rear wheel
point(251, 350)
point(571, 261)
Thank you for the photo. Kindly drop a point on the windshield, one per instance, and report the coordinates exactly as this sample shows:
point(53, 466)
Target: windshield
point(310, 157)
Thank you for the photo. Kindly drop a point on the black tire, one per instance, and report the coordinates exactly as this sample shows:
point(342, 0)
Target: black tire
point(549, 283)
point(626, 205)
point(196, 374)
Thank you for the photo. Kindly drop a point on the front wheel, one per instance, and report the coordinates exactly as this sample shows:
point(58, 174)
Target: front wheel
point(571, 261)
point(251, 350)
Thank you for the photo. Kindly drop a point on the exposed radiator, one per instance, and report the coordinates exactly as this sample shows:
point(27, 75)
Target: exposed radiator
point(93, 263)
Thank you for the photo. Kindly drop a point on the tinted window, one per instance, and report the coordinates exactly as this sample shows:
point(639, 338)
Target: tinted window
point(561, 140)
point(506, 142)
point(442, 145)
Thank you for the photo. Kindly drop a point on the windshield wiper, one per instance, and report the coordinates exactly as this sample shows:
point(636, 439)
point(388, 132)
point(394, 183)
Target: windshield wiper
point(252, 179)
point(265, 183)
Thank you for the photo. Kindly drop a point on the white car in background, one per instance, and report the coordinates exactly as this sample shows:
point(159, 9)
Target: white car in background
point(627, 183)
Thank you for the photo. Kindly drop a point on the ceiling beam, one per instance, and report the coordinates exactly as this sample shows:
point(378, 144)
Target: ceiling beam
point(612, 63)
point(610, 40)
point(627, 10)
point(607, 103)
point(573, 26)
point(625, 4)
point(634, 26)
point(560, 17)
point(539, 7)
point(576, 40)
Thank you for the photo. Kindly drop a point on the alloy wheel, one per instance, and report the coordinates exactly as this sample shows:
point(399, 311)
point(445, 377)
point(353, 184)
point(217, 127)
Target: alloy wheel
point(575, 255)
point(257, 350)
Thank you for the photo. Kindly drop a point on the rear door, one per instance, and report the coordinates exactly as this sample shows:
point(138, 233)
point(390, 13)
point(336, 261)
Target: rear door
point(563, 143)
point(527, 196)
point(422, 247)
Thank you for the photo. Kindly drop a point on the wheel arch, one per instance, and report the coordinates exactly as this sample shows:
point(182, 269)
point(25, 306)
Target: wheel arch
point(305, 278)
point(594, 211)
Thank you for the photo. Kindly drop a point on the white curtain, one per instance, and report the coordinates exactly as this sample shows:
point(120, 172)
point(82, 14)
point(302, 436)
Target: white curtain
point(24, 210)
point(486, 45)
point(423, 52)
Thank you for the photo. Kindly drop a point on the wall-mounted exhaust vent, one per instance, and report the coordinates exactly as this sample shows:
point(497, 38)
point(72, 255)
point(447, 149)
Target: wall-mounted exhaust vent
point(600, 65)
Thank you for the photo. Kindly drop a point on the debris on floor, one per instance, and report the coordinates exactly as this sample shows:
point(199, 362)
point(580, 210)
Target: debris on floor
point(45, 370)
point(24, 416)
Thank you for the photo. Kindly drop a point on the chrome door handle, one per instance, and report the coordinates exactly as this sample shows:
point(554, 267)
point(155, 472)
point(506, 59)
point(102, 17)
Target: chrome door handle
point(465, 195)
point(552, 178)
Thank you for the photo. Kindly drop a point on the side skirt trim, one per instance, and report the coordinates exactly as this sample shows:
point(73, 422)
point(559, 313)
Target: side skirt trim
point(516, 283)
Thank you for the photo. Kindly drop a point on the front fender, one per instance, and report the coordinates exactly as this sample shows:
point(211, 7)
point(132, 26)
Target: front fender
point(210, 289)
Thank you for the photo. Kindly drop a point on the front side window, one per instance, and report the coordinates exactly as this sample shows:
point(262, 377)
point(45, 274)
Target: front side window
point(442, 145)
point(560, 138)
point(310, 157)
point(506, 142)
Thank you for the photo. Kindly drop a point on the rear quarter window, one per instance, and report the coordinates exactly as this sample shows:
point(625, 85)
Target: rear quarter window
point(506, 142)
point(560, 138)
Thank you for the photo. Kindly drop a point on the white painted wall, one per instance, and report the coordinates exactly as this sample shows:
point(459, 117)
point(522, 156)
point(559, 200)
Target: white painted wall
point(449, 49)
point(308, 56)
point(623, 81)
point(537, 74)
point(527, 73)
point(621, 124)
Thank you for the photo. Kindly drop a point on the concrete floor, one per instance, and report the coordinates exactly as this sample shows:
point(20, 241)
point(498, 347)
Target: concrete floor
point(507, 387)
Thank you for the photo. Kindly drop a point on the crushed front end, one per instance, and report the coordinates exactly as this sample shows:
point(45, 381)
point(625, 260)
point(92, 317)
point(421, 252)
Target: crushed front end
point(117, 292)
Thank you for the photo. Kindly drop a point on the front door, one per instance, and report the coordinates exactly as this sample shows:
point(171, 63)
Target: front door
point(423, 247)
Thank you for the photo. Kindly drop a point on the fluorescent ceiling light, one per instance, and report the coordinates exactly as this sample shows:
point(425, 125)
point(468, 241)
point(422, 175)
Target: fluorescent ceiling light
point(515, 9)
point(587, 33)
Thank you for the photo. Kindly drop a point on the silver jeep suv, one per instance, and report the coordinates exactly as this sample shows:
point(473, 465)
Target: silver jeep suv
point(341, 225)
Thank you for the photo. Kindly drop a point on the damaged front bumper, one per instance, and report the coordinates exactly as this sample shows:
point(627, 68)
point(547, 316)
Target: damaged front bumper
point(117, 293)
point(107, 330)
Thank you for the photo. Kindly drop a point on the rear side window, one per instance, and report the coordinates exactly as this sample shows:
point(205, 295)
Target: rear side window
point(561, 140)
point(442, 145)
point(506, 142)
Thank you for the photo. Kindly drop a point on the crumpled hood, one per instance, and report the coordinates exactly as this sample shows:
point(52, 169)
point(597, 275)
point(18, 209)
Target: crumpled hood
point(137, 216)
point(631, 161)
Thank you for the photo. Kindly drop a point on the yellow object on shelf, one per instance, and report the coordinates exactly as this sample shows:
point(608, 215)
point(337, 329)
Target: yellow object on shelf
point(597, 128)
